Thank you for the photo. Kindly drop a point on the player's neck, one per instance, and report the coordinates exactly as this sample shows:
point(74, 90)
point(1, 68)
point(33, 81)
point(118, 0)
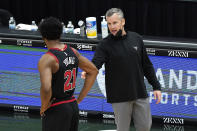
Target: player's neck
point(54, 44)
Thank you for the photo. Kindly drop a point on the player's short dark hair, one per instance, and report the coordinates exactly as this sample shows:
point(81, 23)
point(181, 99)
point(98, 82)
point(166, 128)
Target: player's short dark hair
point(50, 28)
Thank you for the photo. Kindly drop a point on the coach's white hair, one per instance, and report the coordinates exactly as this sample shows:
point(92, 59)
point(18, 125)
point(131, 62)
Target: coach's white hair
point(117, 11)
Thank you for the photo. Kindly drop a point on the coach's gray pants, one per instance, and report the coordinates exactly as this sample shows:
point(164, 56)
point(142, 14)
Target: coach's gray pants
point(138, 109)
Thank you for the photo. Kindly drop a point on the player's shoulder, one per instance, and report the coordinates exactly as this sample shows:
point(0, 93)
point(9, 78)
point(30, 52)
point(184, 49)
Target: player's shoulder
point(75, 51)
point(48, 57)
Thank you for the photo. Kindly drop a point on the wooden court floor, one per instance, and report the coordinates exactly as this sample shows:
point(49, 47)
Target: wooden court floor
point(25, 122)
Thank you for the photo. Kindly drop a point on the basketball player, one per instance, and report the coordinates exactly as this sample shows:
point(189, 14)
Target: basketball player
point(58, 71)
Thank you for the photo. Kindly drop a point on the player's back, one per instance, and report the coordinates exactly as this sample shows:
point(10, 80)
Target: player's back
point(63, 81)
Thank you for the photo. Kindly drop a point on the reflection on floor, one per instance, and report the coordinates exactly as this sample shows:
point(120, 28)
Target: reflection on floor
point(25, 122)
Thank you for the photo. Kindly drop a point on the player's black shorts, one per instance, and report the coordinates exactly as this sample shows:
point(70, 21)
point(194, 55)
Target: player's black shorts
point(63, 117)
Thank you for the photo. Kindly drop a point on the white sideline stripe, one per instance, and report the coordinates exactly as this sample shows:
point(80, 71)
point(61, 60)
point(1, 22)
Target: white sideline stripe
point(169, 42)
point(107, 130)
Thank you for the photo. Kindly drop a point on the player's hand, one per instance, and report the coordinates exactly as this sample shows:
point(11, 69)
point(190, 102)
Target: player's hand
point(44, 108)
point(83, 74)
point(78, 101)
point(157, 95)
point(42, 112)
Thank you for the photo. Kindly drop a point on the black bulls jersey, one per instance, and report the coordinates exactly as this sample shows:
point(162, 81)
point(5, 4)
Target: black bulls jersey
point(63, 81)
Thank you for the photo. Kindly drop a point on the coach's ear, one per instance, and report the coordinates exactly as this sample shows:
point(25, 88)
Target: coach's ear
point(123, 22)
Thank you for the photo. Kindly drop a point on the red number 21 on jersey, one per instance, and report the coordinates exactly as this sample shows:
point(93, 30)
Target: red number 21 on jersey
point(68, 75)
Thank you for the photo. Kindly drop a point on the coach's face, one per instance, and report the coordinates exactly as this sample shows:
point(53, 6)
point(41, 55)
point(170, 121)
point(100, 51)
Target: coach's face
point(115, 23)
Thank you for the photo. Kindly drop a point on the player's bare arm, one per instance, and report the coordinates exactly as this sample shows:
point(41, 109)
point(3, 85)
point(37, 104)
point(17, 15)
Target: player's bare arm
point(46, 66)
point(91, 73)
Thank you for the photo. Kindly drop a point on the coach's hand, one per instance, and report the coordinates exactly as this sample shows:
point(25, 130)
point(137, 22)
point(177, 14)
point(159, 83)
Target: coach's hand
point(157, 95)
point(83, 74)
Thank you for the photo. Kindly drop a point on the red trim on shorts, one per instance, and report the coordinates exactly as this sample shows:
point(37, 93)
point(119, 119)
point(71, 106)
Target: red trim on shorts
point(53, 56)
point(62, 102)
